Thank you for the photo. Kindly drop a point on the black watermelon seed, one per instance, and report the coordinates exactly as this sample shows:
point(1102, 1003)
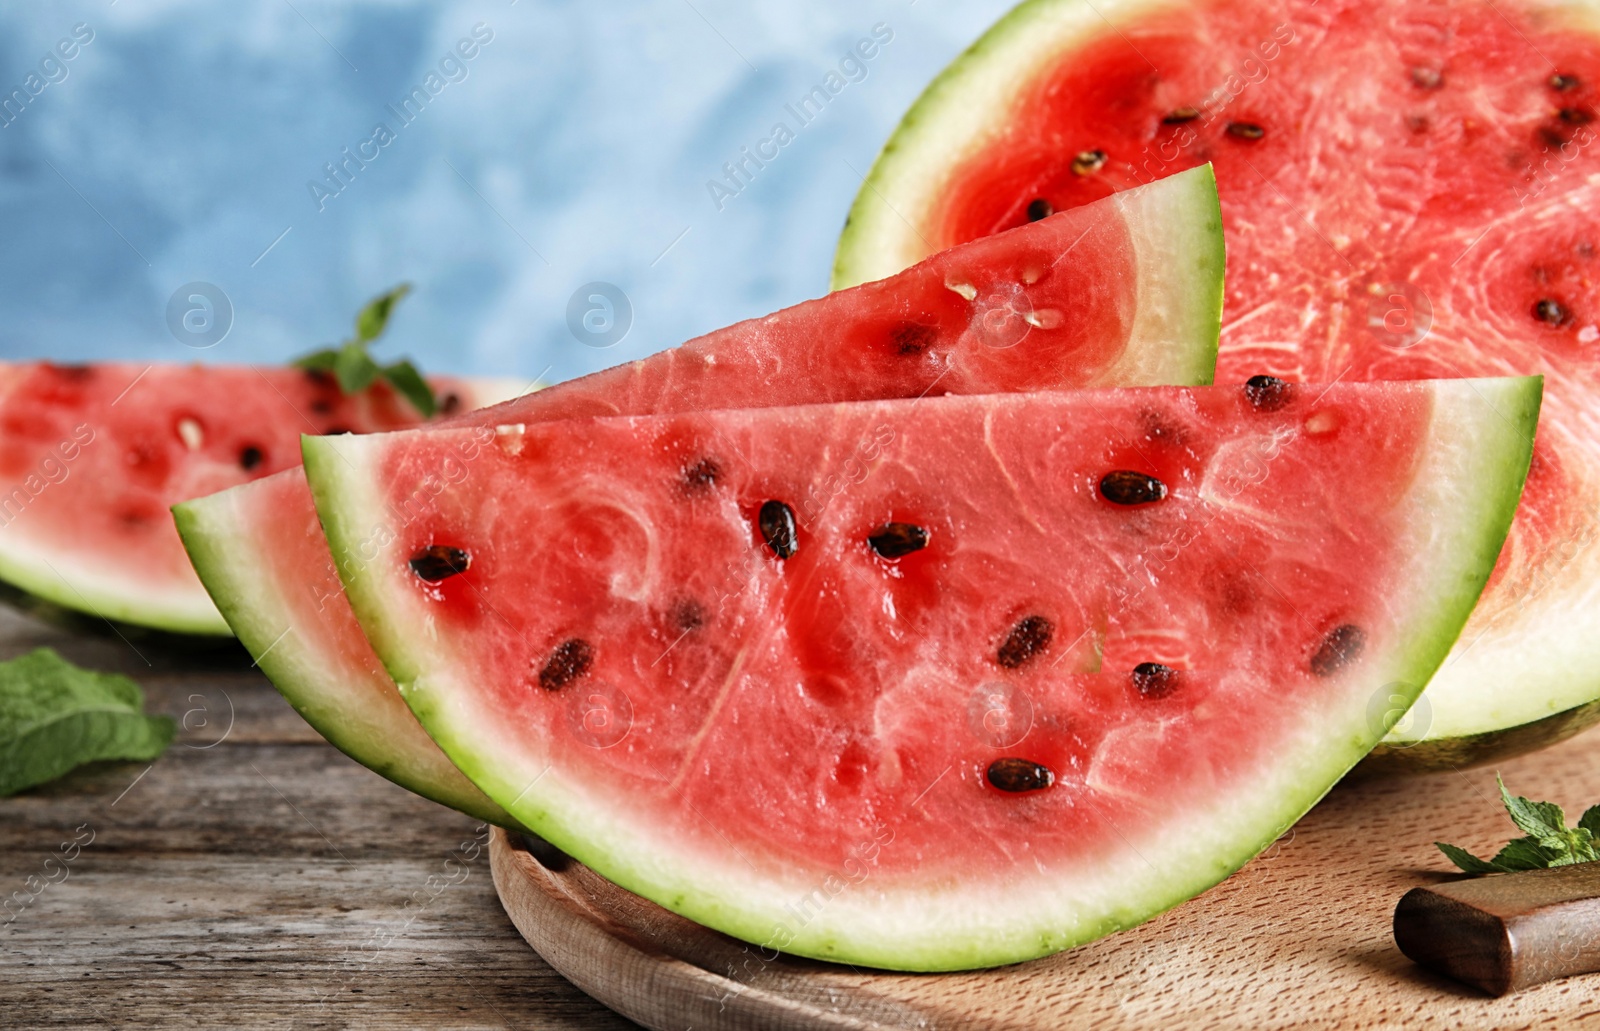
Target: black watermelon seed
point(1561, 82)
point(896, 540)
point(1019, 775)
point(912, 337)
point(1267, 393)
point(1040, 208)
point(250, 457)
point(1427, 78)
point(1575, 115)
point(322, 407)
point(75, 373)
point(1028, 638)
point(449, 404)
point(1088, 162)
point(1551, 313)
point(1153, 680)
point(1178, 116)
point(688, 615)
point(1246, 130)
point(1126, 487)
point(440, 562)
point(1341, 647)
point(777, 528)
point(701, 476)
point(571, 660)
point(336, 431)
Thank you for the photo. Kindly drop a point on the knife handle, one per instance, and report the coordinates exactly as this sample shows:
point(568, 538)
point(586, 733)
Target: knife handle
point(1505, 932)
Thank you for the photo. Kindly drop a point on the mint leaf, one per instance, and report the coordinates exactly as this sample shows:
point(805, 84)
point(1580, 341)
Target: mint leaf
point(1466, 860)
point(354, 368)
point(405, 378)
point(322, 360)
point(55, 716)
point(1526, 854)
point(1549, 841)
point(374, 318)
point(1539, 819)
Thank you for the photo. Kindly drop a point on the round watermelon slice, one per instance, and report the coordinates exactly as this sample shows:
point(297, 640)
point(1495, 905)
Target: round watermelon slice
point(92, 457)
point(1410, 190)
point(927, 684)
point(1126, 291)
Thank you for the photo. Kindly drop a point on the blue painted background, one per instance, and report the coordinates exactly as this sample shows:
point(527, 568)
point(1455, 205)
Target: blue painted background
point(575, 145)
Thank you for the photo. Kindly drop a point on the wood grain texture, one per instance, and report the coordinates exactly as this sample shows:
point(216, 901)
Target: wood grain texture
point(1300, 938)
point(250, 877)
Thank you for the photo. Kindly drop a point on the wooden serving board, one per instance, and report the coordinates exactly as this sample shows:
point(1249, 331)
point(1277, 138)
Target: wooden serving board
point(1299, 938)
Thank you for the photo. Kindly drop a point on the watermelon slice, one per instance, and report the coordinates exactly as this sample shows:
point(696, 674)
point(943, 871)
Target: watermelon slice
point(1127, 291)
point(1410, 191)
point(927, 684)
point(92, 457)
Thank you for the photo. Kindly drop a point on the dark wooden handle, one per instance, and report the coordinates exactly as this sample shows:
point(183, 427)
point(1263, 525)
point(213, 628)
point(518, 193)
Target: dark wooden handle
point(1505, 932)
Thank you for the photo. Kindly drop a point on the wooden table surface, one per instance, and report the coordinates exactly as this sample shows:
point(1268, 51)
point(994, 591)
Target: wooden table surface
point(252, 877)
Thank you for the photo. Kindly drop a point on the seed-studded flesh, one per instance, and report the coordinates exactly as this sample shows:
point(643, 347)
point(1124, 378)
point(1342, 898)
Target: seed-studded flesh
point(1423, 200)
point(837, 678)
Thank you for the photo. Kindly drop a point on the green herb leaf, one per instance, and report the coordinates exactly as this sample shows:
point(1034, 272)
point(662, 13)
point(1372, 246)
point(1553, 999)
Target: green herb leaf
point(55, 716)
point(1466, 860)
point(404, 377)
point(355, 368)
point(323, 360)
point(1549, 841)
point(374, 318)
point(1525, 854)
point(1539, 819)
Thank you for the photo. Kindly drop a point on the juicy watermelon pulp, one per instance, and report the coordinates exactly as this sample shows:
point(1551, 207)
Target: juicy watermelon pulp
point(1127, 291)
point(94, 455)
point(1410, 190)
point(927, 684)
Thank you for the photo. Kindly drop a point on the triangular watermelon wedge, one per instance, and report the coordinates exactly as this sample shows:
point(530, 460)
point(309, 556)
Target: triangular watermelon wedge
point(92, 456)
point(928, 684)
point(1411, 191)
point(1124, 292)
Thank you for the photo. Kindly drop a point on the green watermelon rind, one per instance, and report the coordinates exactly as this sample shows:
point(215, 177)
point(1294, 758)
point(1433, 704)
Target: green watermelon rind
point(959, 113)
point(44, 587)
point(385, 738)
point(951, 120)
point(1462, 501)
point(1175, 230)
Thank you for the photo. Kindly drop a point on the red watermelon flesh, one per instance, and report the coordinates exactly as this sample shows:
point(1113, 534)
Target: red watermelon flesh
point(1056, 661)
point(93, 456)
point(1126, 291)
point(1410, 190)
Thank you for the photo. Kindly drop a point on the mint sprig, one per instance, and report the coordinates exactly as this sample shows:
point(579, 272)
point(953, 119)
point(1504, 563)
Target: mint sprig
point(354, 368)
point(55, 716)
point(1548, 840)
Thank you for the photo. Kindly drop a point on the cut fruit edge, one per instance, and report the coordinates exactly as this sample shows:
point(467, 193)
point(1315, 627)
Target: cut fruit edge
point(348, 698)
point(1487, 709)
point(1480, 435)
point(67, 584)
point(1176, 229)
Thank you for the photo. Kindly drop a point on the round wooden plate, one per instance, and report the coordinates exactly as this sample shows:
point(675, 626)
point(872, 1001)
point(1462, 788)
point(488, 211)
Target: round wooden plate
point(1299, 938)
